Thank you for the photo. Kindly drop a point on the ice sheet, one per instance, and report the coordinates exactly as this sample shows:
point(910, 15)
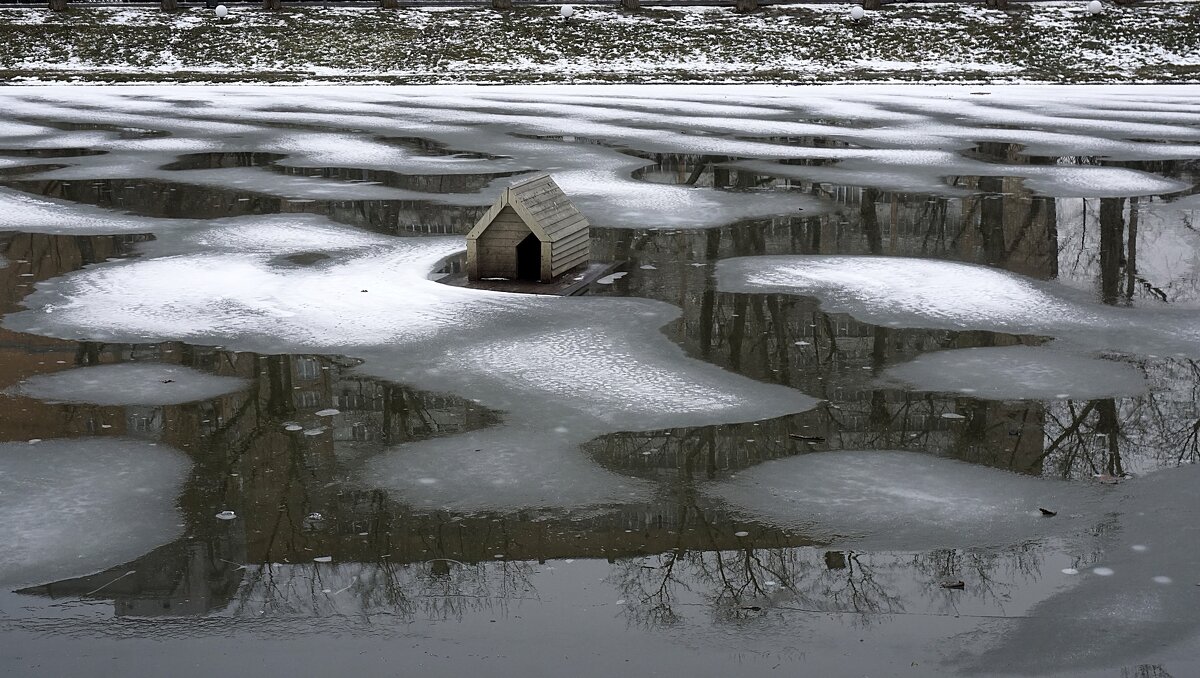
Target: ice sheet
point(914, 292)
point(901, 139)
point(903, 500)
point(128, 384)
point(1144, 604)
point(75, 507)
point(1017, 373)
point(500, 470)
point(29, 213)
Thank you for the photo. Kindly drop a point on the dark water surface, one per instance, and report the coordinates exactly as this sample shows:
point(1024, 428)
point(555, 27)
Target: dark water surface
point(322, 573)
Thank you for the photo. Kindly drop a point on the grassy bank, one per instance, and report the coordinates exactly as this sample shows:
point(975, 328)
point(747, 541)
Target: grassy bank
point(1151, 42)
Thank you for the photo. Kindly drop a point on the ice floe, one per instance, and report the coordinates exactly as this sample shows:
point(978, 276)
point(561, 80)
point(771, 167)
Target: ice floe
point(500, 470)
point(588, 365)
point(24, 212)
point(900, 500)
point(1018, 373)
point(899, 140)
point(927, 293)
point(128, 384)
point(1134, 598)
point(75, 507)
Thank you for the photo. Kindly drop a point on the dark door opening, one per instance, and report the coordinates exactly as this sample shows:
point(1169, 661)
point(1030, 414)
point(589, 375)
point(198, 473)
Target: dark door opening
point(529, 258)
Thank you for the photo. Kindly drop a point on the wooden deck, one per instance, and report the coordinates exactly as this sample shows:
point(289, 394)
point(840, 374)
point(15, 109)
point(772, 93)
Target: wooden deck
point(570, 284)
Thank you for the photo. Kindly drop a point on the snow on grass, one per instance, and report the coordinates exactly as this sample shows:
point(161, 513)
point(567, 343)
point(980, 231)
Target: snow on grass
point(946, 42)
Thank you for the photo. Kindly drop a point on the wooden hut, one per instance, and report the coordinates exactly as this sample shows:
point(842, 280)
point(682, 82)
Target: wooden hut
point(532, 232)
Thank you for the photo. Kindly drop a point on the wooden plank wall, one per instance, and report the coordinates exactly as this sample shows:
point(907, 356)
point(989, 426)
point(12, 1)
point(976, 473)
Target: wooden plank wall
point(496, 247)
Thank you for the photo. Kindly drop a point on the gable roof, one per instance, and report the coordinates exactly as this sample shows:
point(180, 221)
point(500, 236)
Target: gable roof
point(541, 204)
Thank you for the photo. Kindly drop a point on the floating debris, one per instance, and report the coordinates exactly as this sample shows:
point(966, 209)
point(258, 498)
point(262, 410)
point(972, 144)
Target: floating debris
point(955, 585)
point(1048, 512)
point(807, 439)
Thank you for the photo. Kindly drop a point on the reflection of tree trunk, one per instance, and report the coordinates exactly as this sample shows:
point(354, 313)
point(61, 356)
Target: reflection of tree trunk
point(746, 5)
point(997, 4)
point(389, 4)
point(738, 330)
point(58, 5)
point(1112, 227)
point(710, 442)
point(1131, 249)
point(168, 5)
point(779, 326)
point(720, 174)
point(501, 4)
point(631, 5)
point(1111, 428)
point(991, 219)
point(708, 302)
point(273, 4)
point(870, 219)
point(1051, 210)
point(879, 348)
point(279, 380)
point(872, 4)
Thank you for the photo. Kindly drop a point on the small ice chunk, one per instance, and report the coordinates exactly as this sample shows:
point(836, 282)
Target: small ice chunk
point(1070, 570)
point(611, 278)
point(323, 559)
point(226, 515)
point(1161, 579)
point(952, 415)
point(1102, 571)
point(291, 426)
point(742, 533)
point(327, 412)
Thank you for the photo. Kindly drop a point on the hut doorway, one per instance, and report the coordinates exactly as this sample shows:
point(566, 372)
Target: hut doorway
point(529, 258)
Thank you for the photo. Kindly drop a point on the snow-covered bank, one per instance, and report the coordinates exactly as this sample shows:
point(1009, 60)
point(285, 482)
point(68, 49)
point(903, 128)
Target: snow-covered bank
point(1043, 42)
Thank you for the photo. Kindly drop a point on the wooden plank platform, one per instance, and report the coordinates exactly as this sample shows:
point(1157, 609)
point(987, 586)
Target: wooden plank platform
point(570, 284)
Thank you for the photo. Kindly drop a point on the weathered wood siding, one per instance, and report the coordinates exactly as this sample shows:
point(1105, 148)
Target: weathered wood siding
point(536, 205)
point(496, 247)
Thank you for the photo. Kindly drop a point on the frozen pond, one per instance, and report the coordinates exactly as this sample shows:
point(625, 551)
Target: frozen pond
point(883, 380)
